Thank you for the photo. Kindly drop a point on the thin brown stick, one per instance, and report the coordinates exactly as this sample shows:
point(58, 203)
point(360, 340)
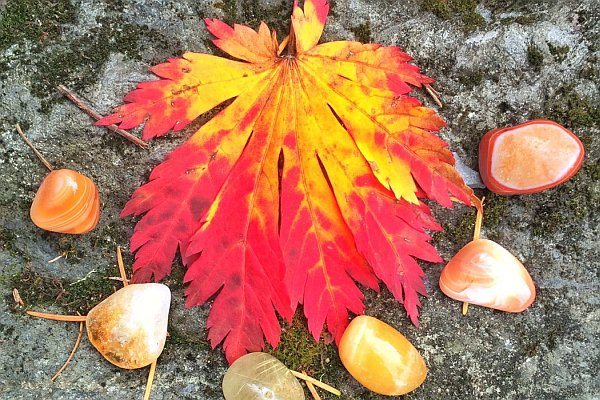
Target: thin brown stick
point(434, 94)
point(57, 317)
point(121, 267)
point(37, 153)
point(118, 279)
point(150, 379)
point(316, 382)
point(72, 352)
point(311, 389)
point(17, 297)
point(94, 114)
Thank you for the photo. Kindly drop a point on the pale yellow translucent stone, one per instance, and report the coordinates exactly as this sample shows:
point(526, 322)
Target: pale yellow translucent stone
point(260, 376)
point(129, 328)
point(380, 357)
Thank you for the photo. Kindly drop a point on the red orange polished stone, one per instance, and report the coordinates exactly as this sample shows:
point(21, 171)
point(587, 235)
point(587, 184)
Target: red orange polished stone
point(529, 157)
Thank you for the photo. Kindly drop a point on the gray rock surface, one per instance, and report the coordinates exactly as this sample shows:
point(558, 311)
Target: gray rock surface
point(496, 63)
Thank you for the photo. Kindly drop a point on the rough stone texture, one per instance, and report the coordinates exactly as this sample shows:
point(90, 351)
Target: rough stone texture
point(496, 63)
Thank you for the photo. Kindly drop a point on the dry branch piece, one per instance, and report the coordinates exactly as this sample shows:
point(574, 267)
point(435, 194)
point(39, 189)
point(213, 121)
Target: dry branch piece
point(95, 115)
point(32, 147)
point(17, 297)
point(316, 382)
point(434, 94)
point(311, 389)
point(79, 336)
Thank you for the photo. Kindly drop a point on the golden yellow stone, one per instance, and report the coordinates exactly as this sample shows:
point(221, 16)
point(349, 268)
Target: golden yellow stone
point(380, 357)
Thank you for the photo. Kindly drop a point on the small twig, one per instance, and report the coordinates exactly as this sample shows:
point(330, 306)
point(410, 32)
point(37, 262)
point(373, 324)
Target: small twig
point(37, 153)
point(17, 297)
point(94, 114)
point(72, 352)
point(58, 257)
point(316, 382)
point(478, 219)
point(121, 267)
point(118, 279)
point(150, 379)
point(434, 94)
point(57, 317)
point(311, 389)
point(84, 278)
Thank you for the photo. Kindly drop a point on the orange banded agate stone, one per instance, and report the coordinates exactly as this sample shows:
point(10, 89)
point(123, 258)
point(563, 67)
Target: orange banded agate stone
point(380, 357)
point(66, 202)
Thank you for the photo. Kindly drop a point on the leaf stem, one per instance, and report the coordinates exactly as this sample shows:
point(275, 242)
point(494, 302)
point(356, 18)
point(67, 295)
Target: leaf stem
point(316, 382)
point(37, 153)
point(434, 94)
point(291, 45)
point(57, 317)
point(312, 390)
point(121, 267)
point(72, 352)
point(476, 233)
point(94, 114)
point(150, 380)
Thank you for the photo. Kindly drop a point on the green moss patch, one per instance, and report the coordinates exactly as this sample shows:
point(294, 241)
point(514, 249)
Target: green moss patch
point(229, 8)
point(40, 291)
point(472, 78)
point(494, 210)
point(460, 231)
point(526, 19)
point(559, 52)
point(590, 69)
point(80, 64)
point(7, 239)
point(440, 8)
point(465, 10)
point(362, 32)
point(299, 351)
point(535, 57)
point(569, 108)
point(252, 13)
point(571, 203)
point(34, 20)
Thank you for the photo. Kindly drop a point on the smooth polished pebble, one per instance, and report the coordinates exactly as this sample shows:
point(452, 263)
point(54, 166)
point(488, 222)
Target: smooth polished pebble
point(380, 357)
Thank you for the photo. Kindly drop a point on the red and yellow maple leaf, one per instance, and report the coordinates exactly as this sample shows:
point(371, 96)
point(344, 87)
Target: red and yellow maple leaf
point(306, 184)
